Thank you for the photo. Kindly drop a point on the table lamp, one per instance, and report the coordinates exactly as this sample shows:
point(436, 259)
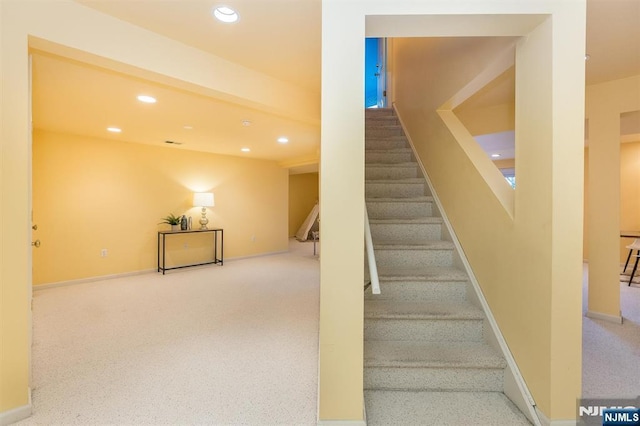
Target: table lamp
point(204, 200)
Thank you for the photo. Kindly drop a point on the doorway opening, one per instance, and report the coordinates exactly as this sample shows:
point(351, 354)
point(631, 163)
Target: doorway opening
point(375, 73)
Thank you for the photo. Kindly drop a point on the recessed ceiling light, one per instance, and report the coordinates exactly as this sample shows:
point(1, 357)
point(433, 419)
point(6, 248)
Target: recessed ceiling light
point(147, 99)
point(187, 127)
point(495, 155)
point(283, 139)
point(246, 123)
point(245, 150)
point(225, 14)
point(114, 129)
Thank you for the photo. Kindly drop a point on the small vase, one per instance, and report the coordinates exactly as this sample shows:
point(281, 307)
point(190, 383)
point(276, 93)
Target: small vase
point(175, 227)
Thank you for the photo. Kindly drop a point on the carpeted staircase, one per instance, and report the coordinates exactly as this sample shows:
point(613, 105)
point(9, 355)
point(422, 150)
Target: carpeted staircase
point(425, 358)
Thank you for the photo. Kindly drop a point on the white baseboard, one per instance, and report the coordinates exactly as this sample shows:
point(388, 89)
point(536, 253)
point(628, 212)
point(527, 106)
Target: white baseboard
point(544, 420)
point(617, 319)
point(134, 273)
point(91, 279)
point(16, 414)
point(342, 423)
point(251, 256)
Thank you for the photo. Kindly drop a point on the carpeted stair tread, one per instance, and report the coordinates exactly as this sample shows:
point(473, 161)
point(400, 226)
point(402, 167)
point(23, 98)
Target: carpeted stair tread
point(384, 138)
point(427, 273)
point(410, 181)
point(413, 245)
point(437, 310)
point(412, 221)
point(392, 165)
point(412, 354)
point(390, 150)
point(421, 199)
point(413, 408)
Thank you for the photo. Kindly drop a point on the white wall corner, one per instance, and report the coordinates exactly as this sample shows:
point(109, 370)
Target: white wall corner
point(16, 414)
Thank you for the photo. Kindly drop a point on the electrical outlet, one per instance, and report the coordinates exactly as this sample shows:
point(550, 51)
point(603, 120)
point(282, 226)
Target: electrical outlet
point(104, 253)
point(253, 238)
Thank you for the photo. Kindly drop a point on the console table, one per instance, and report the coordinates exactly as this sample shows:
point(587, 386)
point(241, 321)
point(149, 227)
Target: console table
point(218, 247)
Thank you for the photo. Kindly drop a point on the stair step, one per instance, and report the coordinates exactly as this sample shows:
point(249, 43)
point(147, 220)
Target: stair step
point(412, 254)
point(381, 119)
point(423, 283)
point(388, 156)
point(454, 329)
point(411, 408)
point(457, 366)
point(396, 188)
point(429, 274)
point(392, 171)
point(386, 309)
point(412, 290)
point(401, 208)
point(422, 320)
point(412, 354)
point(406, 245)
point(383, 130)
point(376, 111)
point(389, 142)
point(427, 228)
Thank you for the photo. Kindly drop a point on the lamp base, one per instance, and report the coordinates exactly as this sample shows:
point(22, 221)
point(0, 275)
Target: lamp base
point(203, 219)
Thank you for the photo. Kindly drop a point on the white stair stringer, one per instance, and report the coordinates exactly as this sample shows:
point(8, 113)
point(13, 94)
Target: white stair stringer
point(427, 337)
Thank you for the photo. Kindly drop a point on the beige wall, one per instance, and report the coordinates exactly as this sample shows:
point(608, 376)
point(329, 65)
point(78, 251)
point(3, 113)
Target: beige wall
point(15, 318)
point(604, 104)
point(90, 195)
point(303, 195)
point(629, 193)
point(528, 259)
point(485, 120)
point(69, 29)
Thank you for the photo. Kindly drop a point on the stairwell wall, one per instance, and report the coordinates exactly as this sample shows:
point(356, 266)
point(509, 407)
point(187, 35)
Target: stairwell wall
point(528, 265)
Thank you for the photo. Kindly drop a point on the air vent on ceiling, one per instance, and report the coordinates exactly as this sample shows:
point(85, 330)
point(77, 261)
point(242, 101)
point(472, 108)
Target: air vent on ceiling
point(173, 142)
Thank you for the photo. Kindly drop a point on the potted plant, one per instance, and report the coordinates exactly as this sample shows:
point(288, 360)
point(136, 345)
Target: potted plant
point(172, 220)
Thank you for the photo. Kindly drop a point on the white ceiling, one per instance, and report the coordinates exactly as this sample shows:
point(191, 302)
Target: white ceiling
point(280, 38)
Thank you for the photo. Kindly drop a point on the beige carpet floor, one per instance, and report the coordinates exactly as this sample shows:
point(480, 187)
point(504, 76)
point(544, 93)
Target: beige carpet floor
point(231, 345)
point(611, 352)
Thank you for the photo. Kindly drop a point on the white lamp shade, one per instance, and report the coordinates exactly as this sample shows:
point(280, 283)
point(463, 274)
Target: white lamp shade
point(203, 199)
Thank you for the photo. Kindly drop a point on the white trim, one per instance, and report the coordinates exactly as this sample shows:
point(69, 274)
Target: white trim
point(251, 256)
point(16, 414)
point(342, 423)
point(134, 273)
point(544, 420)
point(525, 395)
point(617, 319)
point(90, 279)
